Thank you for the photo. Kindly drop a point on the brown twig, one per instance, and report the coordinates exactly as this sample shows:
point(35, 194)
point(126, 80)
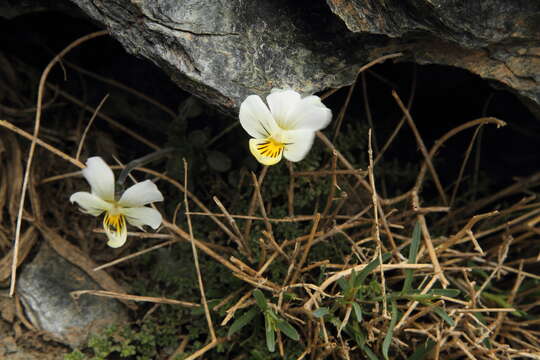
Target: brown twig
point(41, 90)
point(196, 259)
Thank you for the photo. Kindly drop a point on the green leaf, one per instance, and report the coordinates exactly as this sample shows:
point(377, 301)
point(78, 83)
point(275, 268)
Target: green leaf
point(270, 334)
point(443, 315)
point(242, 321)
point(321, 312)
point(352, 279)
point(388, 338)
point(260, 299)
point(444, 292)
point(423, 350)
point(343, 284)
point(413, 252)
point(357, 311)
point(371, 355)
point(363, 274)
point(288, 329)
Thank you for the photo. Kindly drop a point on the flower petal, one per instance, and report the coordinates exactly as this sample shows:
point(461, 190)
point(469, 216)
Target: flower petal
point(299, 143)
point(100, 177)
point(281, 103)
point(254, 147)
point(116, 239)
point(309, 114)
point(90, 203)
point(139, 216)
point(140, 194)
point(255, 118)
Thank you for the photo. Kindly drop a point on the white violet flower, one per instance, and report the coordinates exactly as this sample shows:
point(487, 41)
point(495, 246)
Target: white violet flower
point(130, 207)
point(284, 128)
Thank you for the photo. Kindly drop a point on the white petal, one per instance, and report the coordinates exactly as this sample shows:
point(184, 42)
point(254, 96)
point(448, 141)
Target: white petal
point(90, 203)
point(281, 102)
point(298, 144)
point(140, 194)
point(309, 114)
point(264, 159)
point(100, 177)
point(139, 216)
point(116, 239)
point(255, 118)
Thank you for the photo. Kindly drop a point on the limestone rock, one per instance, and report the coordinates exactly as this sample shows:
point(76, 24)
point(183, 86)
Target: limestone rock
point(44, 287)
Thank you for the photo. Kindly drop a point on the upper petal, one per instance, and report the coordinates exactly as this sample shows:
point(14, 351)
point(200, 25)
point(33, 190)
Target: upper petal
point(299, 143)
point(90, 203)
point(100, 177)
point(309, 114)
point(140, 194)
point(139, 216)
point(255, 118)
point(281, 103)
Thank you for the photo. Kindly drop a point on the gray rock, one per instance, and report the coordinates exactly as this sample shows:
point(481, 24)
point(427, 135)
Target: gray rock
point(44, 287)
point(496, 39)
point(222, 51)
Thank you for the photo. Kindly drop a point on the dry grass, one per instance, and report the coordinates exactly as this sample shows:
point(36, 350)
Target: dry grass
point(494, 243)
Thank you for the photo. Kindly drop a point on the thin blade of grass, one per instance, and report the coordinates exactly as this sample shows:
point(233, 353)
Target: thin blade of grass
point(413, 252)
point(388, 338)
point(362, 275)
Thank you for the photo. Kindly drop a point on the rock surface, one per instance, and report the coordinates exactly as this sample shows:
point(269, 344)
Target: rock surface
point(222, 51)
point(496, 39)
point(44, 287)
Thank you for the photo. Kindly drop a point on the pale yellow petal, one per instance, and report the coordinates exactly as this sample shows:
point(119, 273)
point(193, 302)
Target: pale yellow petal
point(265, 152)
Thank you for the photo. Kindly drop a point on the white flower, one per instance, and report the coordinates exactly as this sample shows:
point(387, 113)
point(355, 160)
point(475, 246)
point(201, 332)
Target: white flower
point(286, 129)
point(128, 208)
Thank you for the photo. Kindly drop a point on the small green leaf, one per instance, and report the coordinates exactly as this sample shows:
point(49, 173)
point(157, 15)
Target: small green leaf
point(321, 312)
point(270, 334)
point(260, 299)
point(363, 274)
point(390, 332)
point(352, 279)
point(242, 321)
point(288, 329)
point(357, 311)
point(443, 315)
point(423, 350)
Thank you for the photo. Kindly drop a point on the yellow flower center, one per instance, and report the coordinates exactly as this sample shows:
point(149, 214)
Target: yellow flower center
point(271, 148)
point(114, 223)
